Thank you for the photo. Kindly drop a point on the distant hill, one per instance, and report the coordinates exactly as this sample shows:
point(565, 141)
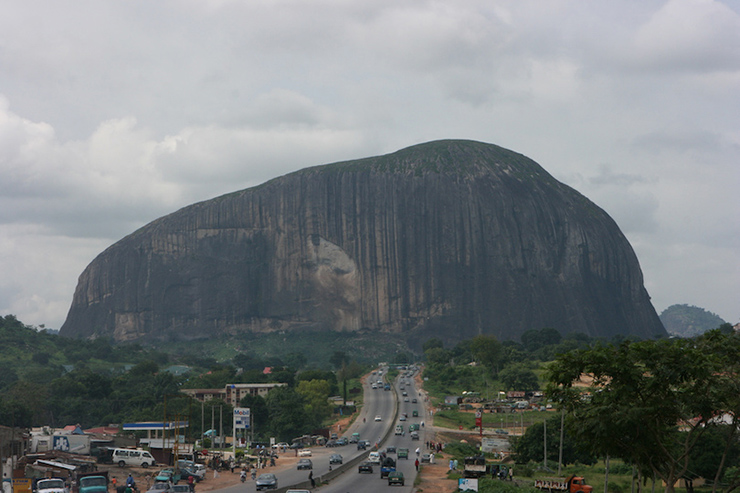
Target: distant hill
point(689, 321)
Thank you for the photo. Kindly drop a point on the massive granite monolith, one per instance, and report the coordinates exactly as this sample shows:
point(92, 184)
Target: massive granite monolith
point(446, 239)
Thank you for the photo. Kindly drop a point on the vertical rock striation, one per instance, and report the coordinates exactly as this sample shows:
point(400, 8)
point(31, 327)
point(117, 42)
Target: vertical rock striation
point(447, 239)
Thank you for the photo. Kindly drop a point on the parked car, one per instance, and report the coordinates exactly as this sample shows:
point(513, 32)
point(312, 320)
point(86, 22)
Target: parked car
point(426, 457)
point(167, 475)
point(395, 478)
point(181, 488)
point(365, 467)
point(304, 464)
point(335, 459)
point(266, 481)
point(306, 452)
point(160, 488)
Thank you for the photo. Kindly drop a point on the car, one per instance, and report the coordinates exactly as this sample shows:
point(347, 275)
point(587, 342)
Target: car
point(333, 436)
point(181, 488)
point(335, 459)
point(403, 453)
point(390, 449)
point(378, 418)
point(365, 467)
point(331, 443)
point(160, 488)
point(374, 457)
point(395, 478)
point(306, 452)
point(404, 393)
point(362, 445)
point(304, 464)
point(295, 445)
point(167, 475)
point(414, 401)
point(280, 446)
point(341, 441)
point(502, 432)
point(266, 481)
point(374, 386)
point(402, 418)
point(414, 435)
point(426, 457)
point(405, 399)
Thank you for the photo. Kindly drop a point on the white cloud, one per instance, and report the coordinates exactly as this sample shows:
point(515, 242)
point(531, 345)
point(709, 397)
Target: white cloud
point(113, 114)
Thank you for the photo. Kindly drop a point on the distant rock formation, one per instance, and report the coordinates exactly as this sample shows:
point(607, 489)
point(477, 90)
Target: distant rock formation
point(688, 320)
point(446, 239)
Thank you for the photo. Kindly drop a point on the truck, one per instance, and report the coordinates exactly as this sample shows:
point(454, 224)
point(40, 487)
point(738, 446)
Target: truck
point(51, 485)
point(93, 482)
point(388, 466)
point(571, 484)
point(474, 466)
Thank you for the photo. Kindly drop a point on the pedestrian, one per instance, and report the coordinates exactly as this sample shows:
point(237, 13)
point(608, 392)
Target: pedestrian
point(452, 463)
point(416, 464)
point(130, 483)
point(191, 483)
point(511, 473)
point(310, 478)
point(113, 483)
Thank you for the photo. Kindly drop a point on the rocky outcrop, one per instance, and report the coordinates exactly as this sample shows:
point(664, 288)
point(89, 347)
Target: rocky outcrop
point(447, 239)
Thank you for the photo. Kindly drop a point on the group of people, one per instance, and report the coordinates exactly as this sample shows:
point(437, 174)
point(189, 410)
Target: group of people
point(129, 486)
point(434, 446)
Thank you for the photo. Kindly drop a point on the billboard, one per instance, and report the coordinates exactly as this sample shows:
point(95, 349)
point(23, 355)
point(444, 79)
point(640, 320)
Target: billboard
point(492, 444)
point(241, 418)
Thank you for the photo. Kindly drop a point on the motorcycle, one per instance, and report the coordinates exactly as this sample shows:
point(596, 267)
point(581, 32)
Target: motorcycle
point(243, 476)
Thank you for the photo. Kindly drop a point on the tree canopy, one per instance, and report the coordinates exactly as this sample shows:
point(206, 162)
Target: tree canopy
point(649, 402)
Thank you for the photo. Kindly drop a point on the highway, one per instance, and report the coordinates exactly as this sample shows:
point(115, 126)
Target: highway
point(376, 403)
point(353, 482)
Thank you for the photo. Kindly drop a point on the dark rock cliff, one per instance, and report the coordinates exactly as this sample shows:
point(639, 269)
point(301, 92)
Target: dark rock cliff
point(447, 239)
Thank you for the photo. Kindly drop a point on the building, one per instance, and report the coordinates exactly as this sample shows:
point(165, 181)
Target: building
point(233, 392)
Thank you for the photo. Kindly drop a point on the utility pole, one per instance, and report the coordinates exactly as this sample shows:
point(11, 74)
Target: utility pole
point(560, 453)
point(544, 437)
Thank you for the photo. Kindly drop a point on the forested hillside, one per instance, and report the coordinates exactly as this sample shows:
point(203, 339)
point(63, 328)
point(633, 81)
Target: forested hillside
point(689, 321)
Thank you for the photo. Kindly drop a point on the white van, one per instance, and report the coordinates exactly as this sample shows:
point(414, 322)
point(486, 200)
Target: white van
point(133, 457)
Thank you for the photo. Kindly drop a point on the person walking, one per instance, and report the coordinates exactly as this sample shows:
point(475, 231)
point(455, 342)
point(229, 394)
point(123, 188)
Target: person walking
point(310, 478)
point(416, 464)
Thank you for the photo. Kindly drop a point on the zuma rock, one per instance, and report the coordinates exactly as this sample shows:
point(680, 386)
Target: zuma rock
point(447, 239)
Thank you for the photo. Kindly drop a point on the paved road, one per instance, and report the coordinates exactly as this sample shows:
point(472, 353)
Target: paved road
point(353, 482)
point(376, 402)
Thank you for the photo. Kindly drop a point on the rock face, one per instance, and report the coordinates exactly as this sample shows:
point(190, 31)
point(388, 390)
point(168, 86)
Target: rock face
point(447, 239)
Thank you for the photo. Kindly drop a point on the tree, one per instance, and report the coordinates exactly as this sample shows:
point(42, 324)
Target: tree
point(647, 402)
point(487, 350)
point(287, 414)
point(519, 376)
point(316, 397)
point(258, 410)
point(530, 446)
point(433, 342)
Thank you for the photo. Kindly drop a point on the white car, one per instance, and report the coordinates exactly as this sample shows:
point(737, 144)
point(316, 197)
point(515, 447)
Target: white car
point(374, 457)
point(305, 452)
point(378, 418)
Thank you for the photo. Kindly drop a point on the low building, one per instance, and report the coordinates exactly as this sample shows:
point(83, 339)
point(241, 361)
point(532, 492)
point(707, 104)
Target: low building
point(233, 392)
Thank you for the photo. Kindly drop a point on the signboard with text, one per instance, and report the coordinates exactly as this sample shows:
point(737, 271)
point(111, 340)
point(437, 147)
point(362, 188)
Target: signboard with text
point(241, 418)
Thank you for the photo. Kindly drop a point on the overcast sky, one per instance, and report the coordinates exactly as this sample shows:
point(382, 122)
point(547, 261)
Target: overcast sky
point(114, 113)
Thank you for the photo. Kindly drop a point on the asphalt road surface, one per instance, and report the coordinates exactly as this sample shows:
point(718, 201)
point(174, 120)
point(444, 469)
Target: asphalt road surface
point(376, 403)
